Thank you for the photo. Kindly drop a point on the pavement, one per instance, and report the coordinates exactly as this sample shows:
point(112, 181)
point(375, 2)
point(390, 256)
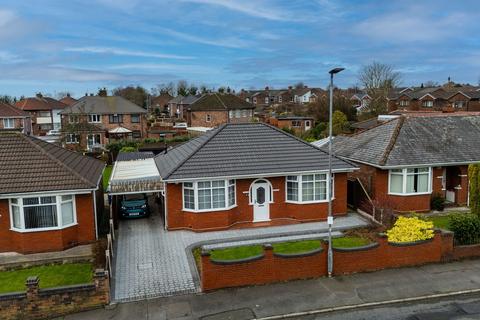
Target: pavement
point(150, 262)
point(298, 296)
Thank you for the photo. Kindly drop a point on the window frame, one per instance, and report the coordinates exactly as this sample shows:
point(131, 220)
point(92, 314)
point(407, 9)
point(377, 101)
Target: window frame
point(58, 204)
point(208, 118)
point(91, 116)
point(404, 175)
point(135, 115)
point(73, 118)
point(113, 116)
point(8, 120)
point(299, 181)
point(69, 140)
point(227, 184)
point(426, 103)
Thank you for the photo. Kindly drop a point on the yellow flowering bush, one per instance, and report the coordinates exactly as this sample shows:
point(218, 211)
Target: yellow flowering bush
point(410, 229)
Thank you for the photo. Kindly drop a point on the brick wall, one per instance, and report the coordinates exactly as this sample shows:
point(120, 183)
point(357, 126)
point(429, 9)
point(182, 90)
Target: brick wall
point(38, 303)
point(54, 240)
point(217, 118)
point(243, 212)
point(274, 268)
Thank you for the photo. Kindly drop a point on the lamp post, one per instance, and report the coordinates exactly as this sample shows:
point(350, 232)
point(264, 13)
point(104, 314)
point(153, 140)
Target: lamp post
point(330, 131)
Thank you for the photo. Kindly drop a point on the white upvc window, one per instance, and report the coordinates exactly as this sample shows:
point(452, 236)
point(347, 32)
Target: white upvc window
point(8, 123)
point(30, 214)
point(410, 181)
point(427, 103)
point(72, 138)
point(266, 100)
point(73, 118)
point(212, 195)
point(94, 118)
point(309, 188)
point(208, 118)
point(238, 113)
point(244, 113)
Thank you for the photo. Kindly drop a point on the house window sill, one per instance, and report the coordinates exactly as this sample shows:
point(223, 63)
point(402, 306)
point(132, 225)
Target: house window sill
point(42, 229)
point(209, 210)
point(409, 194)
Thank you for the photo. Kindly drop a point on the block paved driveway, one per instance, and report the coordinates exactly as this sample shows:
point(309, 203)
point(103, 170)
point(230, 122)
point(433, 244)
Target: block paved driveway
point(151, 262)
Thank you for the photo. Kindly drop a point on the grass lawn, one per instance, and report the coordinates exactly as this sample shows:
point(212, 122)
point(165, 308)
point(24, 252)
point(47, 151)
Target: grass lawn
point(349, 242)
point(442, 222)
point(296, 246)
point(236, 253)
point(50, 276)
point(106, 176)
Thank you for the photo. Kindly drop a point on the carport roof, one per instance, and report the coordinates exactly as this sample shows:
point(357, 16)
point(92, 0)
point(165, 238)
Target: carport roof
point(135, 176)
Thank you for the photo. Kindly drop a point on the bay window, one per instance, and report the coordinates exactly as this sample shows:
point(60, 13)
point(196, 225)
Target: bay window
point(42, 213)
point(209, 195)
point(410, 181)
point(307, 188)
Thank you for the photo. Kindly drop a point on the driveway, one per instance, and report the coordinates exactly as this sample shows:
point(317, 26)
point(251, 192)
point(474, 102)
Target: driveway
point(151, 262)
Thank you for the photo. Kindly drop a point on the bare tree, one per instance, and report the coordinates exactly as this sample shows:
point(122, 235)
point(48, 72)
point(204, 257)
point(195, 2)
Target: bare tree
point(378, 79)
point(431, 83)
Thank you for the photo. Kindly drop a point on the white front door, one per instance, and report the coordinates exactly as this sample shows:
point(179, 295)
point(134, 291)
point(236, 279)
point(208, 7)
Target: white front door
point(261, 201)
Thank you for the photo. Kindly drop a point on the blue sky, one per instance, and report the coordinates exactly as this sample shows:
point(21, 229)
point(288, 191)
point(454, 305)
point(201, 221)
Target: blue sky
point(79, 46)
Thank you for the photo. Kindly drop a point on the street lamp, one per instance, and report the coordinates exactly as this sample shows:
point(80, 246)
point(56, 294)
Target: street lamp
point(330, 216)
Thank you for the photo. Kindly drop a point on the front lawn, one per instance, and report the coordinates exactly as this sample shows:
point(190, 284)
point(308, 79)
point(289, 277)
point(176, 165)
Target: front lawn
point(296, 246)
point(349, 242)
point(106, 176)
point(50, 276)
point(236, 253)
point(442, 222)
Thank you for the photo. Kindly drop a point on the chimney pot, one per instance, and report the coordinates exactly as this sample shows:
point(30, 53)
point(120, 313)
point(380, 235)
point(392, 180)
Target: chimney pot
point(39, 95)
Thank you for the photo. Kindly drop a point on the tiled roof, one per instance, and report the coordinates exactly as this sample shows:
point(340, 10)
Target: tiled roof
point(249, 149)
point(220, 101)
point(68, 100)
point(184, 100)
point(103, 105)
point(416, 140)
point(9, 111)
point(39, 103)
point(128, 156)
point(28, 164)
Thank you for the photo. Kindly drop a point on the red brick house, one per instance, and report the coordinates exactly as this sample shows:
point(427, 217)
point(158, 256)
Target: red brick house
point(242, 174)
point(298, 124)
point(405, 161)
point(12, 118)
point(44, 112)
point(214, 109)
point(94, 121)
point(50, 197)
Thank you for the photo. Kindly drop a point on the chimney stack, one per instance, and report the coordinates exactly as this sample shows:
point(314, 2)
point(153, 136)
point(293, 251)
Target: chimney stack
point(102, 92)
point(39, 95)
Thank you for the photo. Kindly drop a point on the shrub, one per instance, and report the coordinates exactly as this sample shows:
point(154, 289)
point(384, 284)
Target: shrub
point(128, 149)
point(474, 188)
point(410, 229)
point(466, 228)
point(437, 202)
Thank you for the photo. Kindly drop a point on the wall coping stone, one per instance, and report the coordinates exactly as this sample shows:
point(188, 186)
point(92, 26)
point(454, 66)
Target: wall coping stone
point(236, 261)
point(410, 243)
point(13, 295)
point(298, 255)
point(359, 248)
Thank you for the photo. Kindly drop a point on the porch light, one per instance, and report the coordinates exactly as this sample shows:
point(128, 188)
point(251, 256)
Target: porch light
point(330, 215)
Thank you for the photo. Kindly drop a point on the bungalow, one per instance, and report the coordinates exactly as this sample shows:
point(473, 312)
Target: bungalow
point(297, 124)
point(407, 160)
point(50, 197)
point(239, 174)
point(12, 118)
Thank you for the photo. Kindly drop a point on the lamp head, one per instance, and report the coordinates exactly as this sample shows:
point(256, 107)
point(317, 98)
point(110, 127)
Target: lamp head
point(336, 70)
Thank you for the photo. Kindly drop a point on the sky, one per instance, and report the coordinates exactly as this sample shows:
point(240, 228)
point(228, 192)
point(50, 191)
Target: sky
point(53, 46)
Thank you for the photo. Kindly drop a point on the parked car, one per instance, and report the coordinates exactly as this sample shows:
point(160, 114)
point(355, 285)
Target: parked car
point(134, 206)
point(54, 132)
point(180, 125)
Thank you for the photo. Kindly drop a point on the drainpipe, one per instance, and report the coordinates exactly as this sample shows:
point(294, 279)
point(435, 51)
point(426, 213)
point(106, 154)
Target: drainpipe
point(94, 194)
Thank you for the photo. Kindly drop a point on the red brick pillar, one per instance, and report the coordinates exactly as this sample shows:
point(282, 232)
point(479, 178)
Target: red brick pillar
point(269, 264)
point(102, 285)
point(462, 192)
point(32, 285)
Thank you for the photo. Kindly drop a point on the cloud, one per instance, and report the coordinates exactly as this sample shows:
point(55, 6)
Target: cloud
point(122, 52)
point(163, 66)
point(251, 8)
point(12, 27)
point(229, 42)
point(7, 57)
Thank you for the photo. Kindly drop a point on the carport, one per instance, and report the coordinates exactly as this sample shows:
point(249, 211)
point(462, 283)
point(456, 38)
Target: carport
point(133, 172)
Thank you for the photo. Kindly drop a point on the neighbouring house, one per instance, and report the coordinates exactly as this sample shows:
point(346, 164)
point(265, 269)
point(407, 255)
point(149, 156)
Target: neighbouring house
point(444, 98)
point(160, 102)
point(94, 121)
point(407, 160)
point(50, 197)
point(12, 118)
point(177, 107)
point(239, 174)
point(44, 112)
point(214, 109)
point(298, 124)
point(68, 100)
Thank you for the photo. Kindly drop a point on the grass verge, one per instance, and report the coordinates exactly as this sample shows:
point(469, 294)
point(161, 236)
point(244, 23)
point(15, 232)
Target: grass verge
point(296, 246)
point(50, 276)
point(349, 242)
point(236, 253)
point(106, 176)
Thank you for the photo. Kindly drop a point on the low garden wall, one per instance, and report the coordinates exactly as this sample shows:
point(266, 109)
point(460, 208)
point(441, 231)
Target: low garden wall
point(271, 267)
point(36, 303)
